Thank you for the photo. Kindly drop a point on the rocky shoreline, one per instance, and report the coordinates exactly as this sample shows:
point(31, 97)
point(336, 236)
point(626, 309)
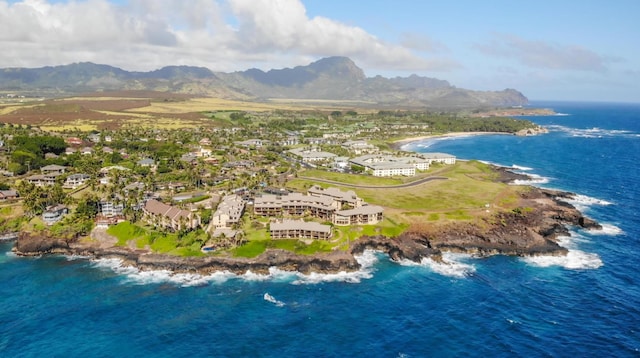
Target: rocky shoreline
point(531, 230)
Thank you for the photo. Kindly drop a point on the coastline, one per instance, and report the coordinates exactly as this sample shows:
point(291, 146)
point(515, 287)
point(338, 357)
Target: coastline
point(531, 232)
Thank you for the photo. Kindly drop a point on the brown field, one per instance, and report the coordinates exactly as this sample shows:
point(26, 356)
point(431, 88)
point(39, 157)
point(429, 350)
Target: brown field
point(116, 109)
point(104, 110)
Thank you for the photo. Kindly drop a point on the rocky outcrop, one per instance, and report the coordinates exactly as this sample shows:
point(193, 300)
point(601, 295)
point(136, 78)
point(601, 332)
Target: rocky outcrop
point(36, 245)
point(531, 131)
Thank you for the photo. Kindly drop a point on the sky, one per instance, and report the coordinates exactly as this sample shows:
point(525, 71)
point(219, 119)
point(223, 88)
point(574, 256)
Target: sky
point(583, 50)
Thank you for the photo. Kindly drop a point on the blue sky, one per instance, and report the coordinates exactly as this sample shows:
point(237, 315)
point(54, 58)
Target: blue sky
point(558, 50)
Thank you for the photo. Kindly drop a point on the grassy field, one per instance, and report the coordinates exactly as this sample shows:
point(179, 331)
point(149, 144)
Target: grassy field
point(469, 192)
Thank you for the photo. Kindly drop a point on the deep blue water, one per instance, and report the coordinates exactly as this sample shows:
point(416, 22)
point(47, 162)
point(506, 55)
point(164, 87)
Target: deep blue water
point(584, 305)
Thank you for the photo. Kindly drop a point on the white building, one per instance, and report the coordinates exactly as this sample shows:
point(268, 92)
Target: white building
point(229, 212)
point(439, 158)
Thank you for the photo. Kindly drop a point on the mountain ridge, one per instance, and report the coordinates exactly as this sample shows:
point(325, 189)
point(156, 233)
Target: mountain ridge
point(331, 78)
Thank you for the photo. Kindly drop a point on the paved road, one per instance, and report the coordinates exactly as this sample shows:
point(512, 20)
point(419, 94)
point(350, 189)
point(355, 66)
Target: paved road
point(405, 185)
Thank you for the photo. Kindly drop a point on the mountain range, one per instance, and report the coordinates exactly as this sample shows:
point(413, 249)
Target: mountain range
point(330, 79)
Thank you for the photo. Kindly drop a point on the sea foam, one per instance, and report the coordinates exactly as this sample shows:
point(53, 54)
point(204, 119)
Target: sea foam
point(267, 297)
point(452, 265)
point(574, 260)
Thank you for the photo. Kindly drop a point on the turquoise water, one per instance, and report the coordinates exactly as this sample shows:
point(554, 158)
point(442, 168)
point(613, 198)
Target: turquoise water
point(583, 305)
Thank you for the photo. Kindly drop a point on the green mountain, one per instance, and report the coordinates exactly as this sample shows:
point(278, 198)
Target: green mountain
point(329, 79)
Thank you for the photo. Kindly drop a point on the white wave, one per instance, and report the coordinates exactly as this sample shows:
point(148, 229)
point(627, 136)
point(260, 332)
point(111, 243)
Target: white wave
point(562, 114)
point(76, 257)
point(533, 179)
point(594, 132)
point(267, 297)
point(583, 202)
point(367, 261)
point(519, 167)
point(139, 277)
point(574, 260)
point(608, 229)
point(451, 265)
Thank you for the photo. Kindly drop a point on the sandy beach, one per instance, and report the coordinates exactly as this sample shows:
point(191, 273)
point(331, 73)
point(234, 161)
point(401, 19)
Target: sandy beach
point(400, 142)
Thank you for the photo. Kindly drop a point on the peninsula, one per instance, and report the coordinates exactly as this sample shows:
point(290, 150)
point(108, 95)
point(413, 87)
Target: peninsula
point(167, 184)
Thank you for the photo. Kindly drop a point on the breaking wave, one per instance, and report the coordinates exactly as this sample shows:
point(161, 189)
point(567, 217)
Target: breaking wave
point(609, 229)
point(452, 265)
point(574, 260)
point(533, 179)
point(594, 132)
point(267, 297)
point(584, 202)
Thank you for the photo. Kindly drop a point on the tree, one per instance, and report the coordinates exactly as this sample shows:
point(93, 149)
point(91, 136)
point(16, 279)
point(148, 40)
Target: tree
point(88, 207)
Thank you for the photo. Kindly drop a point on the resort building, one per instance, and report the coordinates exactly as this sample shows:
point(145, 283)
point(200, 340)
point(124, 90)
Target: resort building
point(344, 198)
point(363, 215)
point(330, 204)
point(161, 214)
point(312, 155)
point(299, 229)
point(359, 147)
point(439, 158)
point(228, 213)
point(388, 165)
point(295, 204)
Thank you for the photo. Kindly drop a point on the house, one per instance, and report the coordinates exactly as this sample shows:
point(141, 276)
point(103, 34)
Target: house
point(167, 216)
point(75, 180)
point(146, 162)
point(109, 208)
point(299, 229)
point(203, 152)
point(74, 141)
point(42, 180)
point(106, 221)
point(205, 142)
point(87, 151)
point(53, 214)
point(8, 194)
point(53, 169)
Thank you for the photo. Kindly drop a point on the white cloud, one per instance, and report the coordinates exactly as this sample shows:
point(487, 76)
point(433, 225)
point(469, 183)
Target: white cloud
point(222, 35)
point(545, 55)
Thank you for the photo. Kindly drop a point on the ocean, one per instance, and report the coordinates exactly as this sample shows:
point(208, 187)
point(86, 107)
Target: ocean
point(584, 305)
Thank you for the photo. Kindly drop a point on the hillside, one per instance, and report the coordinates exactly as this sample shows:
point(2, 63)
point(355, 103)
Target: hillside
point(329, 79)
